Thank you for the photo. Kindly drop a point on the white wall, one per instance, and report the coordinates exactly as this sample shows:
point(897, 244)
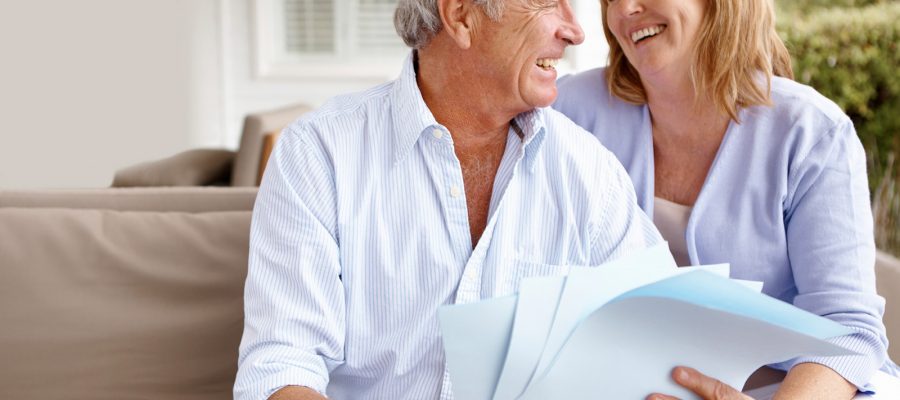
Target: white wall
point(592, 53)
point(90, 86)
point(248, 93)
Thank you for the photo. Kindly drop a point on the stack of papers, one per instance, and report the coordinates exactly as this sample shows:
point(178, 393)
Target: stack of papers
point(617, 330)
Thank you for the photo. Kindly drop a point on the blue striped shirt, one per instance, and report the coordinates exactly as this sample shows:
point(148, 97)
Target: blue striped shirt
point(360, 232)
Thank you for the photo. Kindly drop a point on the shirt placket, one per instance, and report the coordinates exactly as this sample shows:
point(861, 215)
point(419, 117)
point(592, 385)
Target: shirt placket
point(469, 288)
point(451, 193)
point(470, 285)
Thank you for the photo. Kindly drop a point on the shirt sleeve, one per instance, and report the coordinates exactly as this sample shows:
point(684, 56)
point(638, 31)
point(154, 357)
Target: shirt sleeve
point(832, 250)
point(620, 224)
point(293, 299)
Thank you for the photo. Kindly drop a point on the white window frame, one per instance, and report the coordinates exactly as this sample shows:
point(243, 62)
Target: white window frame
point(272, 60)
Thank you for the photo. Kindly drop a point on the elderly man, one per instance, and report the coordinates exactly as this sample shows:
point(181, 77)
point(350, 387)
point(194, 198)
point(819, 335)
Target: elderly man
point(447, 185)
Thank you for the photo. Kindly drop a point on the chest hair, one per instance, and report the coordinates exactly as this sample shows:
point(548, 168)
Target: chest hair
point(479, 169)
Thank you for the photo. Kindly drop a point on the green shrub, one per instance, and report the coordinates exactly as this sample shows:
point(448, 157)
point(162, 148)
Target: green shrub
point(850, 54)
point(804, 6)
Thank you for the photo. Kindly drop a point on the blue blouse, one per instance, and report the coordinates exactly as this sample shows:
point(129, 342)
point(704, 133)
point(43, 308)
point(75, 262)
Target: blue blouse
point(785, 202)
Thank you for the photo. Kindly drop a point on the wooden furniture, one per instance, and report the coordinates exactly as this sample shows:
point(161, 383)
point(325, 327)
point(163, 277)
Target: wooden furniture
point(269, 141)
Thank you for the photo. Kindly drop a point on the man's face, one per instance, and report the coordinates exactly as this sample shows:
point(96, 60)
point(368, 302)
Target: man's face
point(519, 52)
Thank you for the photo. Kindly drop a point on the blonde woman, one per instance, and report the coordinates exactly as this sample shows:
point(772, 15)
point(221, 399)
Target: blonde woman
point(737, 163)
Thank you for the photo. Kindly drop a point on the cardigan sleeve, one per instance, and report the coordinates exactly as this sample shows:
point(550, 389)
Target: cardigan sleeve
point(831, 247)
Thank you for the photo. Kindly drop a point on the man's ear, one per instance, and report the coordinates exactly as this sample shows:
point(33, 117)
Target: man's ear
point(459, 18)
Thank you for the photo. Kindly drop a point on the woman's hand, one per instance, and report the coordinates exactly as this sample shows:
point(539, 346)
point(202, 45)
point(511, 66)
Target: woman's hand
point(705, 387)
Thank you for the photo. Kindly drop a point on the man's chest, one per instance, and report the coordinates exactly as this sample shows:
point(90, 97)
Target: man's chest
point(479, 176)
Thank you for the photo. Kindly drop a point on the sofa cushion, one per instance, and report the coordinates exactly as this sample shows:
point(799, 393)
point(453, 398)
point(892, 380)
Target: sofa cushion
point(196, 167)
point(103, 304)
point(180, 199)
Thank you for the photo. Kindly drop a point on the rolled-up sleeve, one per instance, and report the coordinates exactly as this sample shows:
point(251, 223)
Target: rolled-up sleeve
point(832, 250)
point(620, 224)
point(293, 299)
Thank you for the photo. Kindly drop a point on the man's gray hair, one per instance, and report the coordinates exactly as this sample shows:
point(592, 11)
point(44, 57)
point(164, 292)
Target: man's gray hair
point(417, 21)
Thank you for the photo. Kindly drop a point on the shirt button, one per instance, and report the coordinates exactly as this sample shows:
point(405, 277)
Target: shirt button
point(455, 191)
point(437, 133)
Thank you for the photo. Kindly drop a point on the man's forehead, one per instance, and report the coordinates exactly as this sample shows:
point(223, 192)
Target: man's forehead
point(541, 3)
point(534, 4)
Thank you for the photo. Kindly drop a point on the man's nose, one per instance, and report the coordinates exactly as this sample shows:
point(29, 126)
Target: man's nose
point(571, 31)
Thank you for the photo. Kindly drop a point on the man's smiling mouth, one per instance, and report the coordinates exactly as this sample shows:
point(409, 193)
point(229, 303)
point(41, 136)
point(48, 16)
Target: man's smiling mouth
point(645, 33)
point(547, 63)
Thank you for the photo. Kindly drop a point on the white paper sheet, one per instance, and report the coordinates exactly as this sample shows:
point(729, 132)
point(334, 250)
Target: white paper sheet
point(476, 338)
point(624, 335)
point(629, 346)
point(590, 287)
point(535, 309)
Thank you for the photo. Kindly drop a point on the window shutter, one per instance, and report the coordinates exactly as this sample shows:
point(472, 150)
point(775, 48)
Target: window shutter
point(375, 33)
point(342, 29)
point(310, 26)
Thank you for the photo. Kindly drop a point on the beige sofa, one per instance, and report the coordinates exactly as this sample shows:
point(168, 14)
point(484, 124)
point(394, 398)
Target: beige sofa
point(137, 293)
point(217, 167)
point(122, 293)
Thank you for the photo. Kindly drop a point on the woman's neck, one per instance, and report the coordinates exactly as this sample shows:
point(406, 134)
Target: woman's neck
point(678, 113)
point(687, 134)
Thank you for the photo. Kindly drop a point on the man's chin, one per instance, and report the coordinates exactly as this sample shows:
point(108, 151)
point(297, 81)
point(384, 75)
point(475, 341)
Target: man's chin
point(545, 99)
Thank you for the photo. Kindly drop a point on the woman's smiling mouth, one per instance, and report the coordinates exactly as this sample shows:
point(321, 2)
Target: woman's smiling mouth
point(645, 33)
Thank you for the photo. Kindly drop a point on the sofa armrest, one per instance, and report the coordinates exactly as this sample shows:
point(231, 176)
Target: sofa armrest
point(200, 167)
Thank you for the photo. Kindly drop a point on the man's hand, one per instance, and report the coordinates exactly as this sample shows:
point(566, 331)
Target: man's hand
point(705, 387)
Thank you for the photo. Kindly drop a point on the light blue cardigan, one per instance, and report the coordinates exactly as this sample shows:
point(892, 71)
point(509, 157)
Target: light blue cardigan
point(786, 202)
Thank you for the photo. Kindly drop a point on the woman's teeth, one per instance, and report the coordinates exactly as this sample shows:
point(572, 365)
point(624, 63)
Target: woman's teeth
point(547, 63)
point(647, 32)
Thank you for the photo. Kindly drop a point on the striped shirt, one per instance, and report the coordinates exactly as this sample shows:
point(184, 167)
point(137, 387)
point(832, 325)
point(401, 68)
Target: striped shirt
point(360, 233)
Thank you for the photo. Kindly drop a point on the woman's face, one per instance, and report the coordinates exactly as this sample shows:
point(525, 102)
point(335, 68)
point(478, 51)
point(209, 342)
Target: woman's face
point(656, 35)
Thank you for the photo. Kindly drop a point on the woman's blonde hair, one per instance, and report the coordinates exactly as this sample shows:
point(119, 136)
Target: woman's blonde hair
point(737, 45)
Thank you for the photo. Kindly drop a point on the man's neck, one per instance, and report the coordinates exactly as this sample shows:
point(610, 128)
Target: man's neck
point(452, 94)
point(451, 89)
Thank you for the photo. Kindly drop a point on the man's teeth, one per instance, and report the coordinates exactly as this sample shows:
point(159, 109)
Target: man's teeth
point(547, 63)
point(647, 32)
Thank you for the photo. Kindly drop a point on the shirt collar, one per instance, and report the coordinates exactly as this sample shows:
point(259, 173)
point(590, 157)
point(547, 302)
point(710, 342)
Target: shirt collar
point(411, 117)
point(533, 130)
point(410, 114)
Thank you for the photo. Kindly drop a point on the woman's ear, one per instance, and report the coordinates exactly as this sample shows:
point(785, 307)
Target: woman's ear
point(459, 19)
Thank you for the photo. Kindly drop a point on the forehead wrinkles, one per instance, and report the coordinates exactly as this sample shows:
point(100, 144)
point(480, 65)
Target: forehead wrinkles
point(541, 4)
point(533, 5)
point(524, 12)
